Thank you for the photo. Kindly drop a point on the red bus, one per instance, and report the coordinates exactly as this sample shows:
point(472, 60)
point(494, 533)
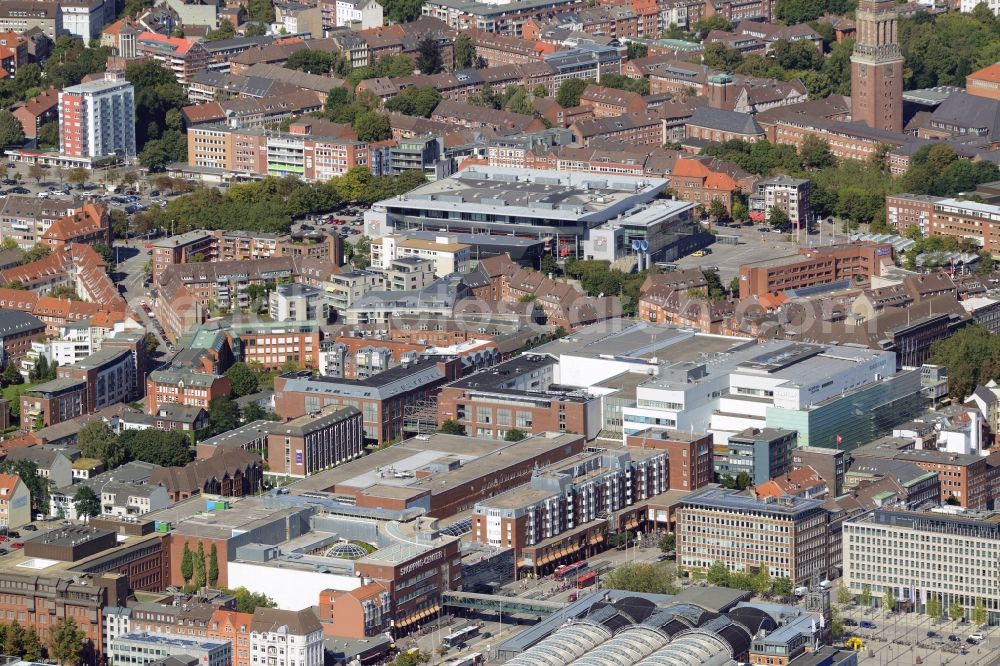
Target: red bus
point(569, 570)
point(587, 579)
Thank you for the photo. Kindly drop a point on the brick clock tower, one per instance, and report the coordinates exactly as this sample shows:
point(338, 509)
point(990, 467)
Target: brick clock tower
point(877, 67)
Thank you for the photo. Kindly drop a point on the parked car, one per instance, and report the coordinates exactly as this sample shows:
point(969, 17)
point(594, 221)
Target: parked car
point(17, 545)
point(848, 622)
point(865, 624)
point(932, 634)
point(976, 637)
point(953, 638)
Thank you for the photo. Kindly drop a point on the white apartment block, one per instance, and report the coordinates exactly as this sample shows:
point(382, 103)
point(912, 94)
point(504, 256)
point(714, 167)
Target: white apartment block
point(445, 252)
point(366, 12)
point(286, 638)
point(945, 553)
point(97, 119)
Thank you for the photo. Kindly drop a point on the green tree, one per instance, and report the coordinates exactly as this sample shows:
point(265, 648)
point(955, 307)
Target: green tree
point(979, 613)
point(78, 176)
point(933, 606)
point(11, 132)
point(168, 449)
point(86, 502)
point(224, 31)
point(888, 599)
point(261, 11)
point(762, 582)
point(717, 56)
point(866, 596)
point(646, 578)
point(152, 343)
point(569, 92)
point(415, 101)
point(452, 427)
point(254, 412)
point(718, 574)
point(12, 375)
point(48, 135)
point(464, 50)
point(32, 646)
point(778, 219)
point(549, 264)
point(740, 211)
point(411, 658)
point(718, 210)
point(223, 414)
point(372, 127)
point(514, 435)
point(972, 357)
point(539, 91)
point(199, 566)
point(519, 102)
point(312, 61)
point(815, 153)
point(187, 564)
point(713, 22)
point(429, 59)
point(486, 98)
point(66, 642)
point(213, 566)
point(844, 596)
point(955, 611)
point(362, 253)
point(668, 543)
point(242, 379)
point(782, 587)
point(13, 639)
point(96, 440)
point(247, 601)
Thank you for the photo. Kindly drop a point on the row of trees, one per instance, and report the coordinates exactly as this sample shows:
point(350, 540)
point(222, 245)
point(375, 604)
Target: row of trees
point(934, 607)
point(166, 448)
point(270, 205)
point(759, 583)
point(65, 645)
point(194, 570)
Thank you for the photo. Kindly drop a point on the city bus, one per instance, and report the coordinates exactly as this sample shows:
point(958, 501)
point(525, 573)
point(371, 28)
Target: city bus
point(587, 579)
point(460, 636)
point(568, 571)
point(473, 659)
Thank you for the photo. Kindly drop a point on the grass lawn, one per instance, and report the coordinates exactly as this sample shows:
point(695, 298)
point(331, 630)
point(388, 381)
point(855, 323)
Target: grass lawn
point(11, 393)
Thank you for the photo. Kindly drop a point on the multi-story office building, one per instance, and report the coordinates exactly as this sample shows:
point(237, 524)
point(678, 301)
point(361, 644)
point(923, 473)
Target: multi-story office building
point(584, 215)
point(814, 266)
point(97, 119)
point(17, 331)
point(111, 376)
point(830, 464)
point(315, 442)
point(383, 398)
point(939, 216)
point(950, 556)
point(184, 57)
point(20, 16)
point(138, 649)
point(273, 344)
point(520, 394)
point(561, 515)
point(690, 456)
point(761, 454)
point(311, 156)
point(789, 536)
point(53, 402)
point(194, 389)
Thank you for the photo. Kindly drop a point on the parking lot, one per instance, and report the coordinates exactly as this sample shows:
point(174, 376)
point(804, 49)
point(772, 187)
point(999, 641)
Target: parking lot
point(900, 638)
point(753, 245)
